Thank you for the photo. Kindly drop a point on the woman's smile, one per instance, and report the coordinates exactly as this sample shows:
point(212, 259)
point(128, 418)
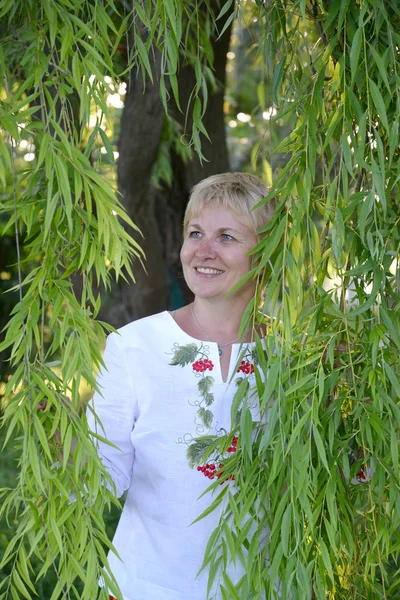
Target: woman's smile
point(207, 271)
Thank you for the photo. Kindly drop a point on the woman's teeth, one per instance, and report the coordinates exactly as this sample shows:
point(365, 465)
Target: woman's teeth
point(209, 271)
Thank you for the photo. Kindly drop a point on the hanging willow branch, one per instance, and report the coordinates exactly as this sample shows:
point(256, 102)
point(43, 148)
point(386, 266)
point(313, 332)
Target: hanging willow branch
point(318, 477)
point(57, 60)
point(71, 223)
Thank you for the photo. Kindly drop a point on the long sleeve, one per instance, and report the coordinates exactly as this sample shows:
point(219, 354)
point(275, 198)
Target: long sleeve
point(115, 410)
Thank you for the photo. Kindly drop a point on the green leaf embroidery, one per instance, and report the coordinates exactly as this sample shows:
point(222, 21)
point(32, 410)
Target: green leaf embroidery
point(206, 416)
point(196, 451)
point(184, 355)
point(208, 399)
point(205, 384)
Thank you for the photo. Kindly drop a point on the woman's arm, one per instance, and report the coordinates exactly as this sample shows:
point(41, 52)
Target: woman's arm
point(111, 413)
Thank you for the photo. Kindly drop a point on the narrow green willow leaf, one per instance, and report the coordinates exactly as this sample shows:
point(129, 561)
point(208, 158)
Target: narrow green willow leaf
point(20, 585)
point(300, 426)
point(379, 103)
point(246, 430)
point(320, 447)
point(277, 79)
point(227, 24)
point(286, 530)
point(372, 297)
point(383, 69)
point(214, 571)
point(233, 595)
point(326, 559)
point(393, 378)
point(355, 53)
point(224, 9)
point(143, 55)
point(212, 506)
point(390, 320)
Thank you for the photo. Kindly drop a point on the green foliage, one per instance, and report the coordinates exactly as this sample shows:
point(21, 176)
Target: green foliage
point(205, 384)
point(56, 61)
point(180, 32)
point(317, 480)
point(318, 476)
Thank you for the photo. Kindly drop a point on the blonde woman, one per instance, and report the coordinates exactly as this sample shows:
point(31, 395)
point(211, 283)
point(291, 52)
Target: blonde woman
point(169, 379)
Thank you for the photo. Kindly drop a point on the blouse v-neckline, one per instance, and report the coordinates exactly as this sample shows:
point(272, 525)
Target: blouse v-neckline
point(214, 350)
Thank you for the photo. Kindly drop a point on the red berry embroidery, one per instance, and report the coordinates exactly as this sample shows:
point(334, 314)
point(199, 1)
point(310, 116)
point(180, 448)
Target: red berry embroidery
point(202, 365)
point(232, 447)
point(208, 470)
point(361, 477)
point(246, 368)
point(211, 471)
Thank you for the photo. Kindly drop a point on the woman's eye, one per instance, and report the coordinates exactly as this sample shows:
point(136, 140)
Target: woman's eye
point(194, 234)
point(227, 238)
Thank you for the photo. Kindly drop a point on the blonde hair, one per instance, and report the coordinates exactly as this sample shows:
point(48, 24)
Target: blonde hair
point(238, 191)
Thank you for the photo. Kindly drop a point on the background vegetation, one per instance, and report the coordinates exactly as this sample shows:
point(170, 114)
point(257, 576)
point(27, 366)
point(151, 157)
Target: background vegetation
point(306, 93)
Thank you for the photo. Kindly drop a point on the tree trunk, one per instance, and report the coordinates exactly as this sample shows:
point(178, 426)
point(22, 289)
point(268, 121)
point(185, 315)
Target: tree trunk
point(159, 213)
point(186, 175)
point(140, 137)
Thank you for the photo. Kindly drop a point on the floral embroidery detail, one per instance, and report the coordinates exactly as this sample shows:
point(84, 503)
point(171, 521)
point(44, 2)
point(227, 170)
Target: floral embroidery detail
point(211, 470)
point(361, 477)
point(246, 367)
point(232, 447)
point(197, 355)
point(202, 365)
point(183, 355)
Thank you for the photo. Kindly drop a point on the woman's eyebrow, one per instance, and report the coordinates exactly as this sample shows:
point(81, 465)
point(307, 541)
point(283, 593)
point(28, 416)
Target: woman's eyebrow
point(195, 225)
point(220, 230)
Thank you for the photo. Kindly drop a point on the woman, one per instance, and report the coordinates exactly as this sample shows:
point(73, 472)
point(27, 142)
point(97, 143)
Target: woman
point(169, 380)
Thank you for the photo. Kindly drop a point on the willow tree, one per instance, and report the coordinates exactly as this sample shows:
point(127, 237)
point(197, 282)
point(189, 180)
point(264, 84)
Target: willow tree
point(56, 62)
point(313, 511)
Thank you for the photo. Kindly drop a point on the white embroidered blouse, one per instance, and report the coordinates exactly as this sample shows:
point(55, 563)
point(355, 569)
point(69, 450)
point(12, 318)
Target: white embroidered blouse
point(160, 390)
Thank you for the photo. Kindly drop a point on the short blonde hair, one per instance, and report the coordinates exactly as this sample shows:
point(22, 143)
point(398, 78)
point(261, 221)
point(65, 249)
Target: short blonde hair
point(238, 191)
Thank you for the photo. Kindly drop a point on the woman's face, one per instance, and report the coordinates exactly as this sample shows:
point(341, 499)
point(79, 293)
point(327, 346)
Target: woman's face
point(214, 253)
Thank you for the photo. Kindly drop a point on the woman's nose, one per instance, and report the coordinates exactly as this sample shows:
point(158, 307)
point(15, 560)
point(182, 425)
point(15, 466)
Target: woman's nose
point(206, 249)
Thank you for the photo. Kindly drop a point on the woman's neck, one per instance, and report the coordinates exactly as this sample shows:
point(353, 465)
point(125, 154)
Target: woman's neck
point(220, 319)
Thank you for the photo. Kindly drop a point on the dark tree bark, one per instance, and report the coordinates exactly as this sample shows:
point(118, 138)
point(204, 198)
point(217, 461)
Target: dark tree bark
point(186, 175)
point(159, 214)
point(140, 137)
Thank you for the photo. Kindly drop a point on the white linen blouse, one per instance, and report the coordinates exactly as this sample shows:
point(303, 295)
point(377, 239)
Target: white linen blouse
point(161, 389)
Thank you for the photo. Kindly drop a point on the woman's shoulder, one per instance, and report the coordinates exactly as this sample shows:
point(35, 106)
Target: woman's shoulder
point(147, 329)
point(145, 324)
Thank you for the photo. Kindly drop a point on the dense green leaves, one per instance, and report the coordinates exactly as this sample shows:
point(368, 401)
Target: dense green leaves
point(318, 474)
point(57, 61)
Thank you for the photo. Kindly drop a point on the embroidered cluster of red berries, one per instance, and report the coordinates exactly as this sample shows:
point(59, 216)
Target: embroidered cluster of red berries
point(210, 470)
point(232, 447)
point(361, 476)
point(246, 367)
point(202, 365)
